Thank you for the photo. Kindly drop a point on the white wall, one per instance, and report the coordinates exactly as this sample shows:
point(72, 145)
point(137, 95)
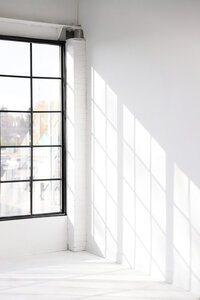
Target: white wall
point(32, 236)
point(143, 128)
point(50, 11)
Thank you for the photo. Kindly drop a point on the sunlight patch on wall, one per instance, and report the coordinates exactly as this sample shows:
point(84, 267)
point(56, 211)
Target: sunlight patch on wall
point(104, 153)
point(144, 198)
point(133, 223)
point(186, 231)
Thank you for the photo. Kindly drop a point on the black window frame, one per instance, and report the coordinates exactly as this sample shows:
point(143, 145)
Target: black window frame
point(63, 127)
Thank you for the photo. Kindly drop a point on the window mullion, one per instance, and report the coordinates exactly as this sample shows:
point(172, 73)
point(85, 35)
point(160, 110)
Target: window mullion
point(31, 91)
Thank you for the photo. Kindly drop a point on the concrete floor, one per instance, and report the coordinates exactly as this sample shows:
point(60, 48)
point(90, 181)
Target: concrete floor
point(67, 275)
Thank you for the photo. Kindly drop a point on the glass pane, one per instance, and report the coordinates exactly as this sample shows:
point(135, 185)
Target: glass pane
point(14, 199)
point(46, 163)
point(46, 94)
point(46, 196)
point(46, 60)
point(15, 163)
point(14, 93)
point(14, 129)
point(14, 58)
point(46, 128)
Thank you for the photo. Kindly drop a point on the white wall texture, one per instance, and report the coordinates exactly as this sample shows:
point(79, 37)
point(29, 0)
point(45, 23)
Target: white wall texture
point(32, 236)
point(143, 130)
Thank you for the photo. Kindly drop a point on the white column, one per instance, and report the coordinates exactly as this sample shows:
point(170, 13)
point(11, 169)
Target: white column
point(76, 143)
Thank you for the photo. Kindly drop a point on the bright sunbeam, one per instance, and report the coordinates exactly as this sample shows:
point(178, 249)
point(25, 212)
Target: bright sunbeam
point(142, 143)
point(144, 198)
point(104, 177)
point(111, 101)
point(128, 127)
point(99, 91)
point(140, 236)
point(181, 190)
point(181, 227)
point(158, 163)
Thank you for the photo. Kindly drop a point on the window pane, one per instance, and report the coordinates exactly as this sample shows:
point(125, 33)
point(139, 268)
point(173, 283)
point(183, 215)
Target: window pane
point(46, 196)
point(14, 58)
point(14, 93)
point(15, 129)
point(46, 60)
point(46, 94)
point(46, 128)
point(15, 163)
point(46, 163)
point(14, 199)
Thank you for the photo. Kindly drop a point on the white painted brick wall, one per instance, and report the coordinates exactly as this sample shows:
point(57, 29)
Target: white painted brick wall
point(76, 143)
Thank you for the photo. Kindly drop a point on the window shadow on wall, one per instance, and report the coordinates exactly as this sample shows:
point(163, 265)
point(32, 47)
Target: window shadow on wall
point(143, 209)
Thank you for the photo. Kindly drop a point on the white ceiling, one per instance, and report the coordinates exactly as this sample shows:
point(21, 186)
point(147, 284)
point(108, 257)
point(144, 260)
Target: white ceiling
point(50, 11)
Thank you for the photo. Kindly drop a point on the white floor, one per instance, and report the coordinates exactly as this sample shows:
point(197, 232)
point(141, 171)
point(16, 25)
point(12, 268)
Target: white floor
point(67, 275)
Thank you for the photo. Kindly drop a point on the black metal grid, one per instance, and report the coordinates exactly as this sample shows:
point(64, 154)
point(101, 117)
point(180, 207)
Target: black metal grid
point(61, 44)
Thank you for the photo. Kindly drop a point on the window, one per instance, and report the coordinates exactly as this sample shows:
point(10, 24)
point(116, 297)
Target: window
point(32, 128)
